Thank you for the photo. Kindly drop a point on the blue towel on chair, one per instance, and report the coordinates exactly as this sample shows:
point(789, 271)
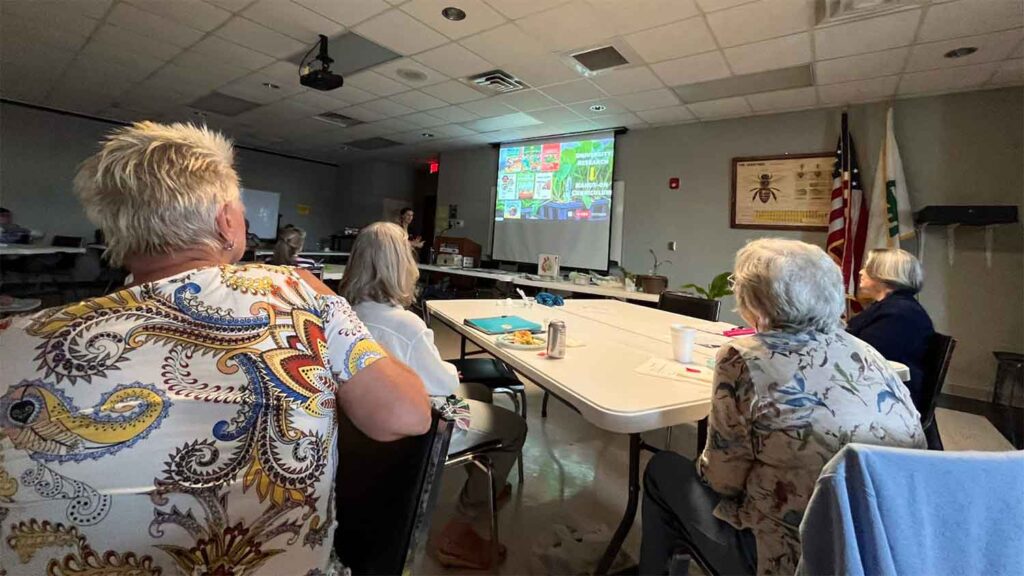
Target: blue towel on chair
point(880, 510)
point(549, 299)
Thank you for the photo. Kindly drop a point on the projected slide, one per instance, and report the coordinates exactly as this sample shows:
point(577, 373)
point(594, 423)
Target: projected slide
point(564, 181)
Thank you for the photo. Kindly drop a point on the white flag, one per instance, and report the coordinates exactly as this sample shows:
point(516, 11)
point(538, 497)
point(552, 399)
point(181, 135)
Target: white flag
point(890, 218)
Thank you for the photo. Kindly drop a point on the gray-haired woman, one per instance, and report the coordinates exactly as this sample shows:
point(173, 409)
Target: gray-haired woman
point(186, 423)
point(785, 400)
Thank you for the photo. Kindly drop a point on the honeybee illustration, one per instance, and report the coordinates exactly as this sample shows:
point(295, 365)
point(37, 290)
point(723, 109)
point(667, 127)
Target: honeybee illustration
point(764, 190)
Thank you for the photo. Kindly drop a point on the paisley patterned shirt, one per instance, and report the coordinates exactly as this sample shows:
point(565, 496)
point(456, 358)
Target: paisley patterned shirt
point(784, 404)
point(184, 426)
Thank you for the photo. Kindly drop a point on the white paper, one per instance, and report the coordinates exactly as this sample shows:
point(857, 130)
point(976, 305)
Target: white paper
point(668, 368)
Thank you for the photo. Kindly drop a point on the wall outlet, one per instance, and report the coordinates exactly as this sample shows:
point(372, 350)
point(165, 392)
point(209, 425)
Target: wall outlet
point(454, 223)
point(672, 246)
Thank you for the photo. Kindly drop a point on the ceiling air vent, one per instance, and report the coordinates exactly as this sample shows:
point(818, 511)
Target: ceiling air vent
point(600, 58)
point(337, 119)
point(837, 11)
point(496, 82)
point(373, 143)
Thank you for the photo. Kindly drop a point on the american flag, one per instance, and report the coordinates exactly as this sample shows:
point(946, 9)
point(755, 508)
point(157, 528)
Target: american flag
point(848, 218)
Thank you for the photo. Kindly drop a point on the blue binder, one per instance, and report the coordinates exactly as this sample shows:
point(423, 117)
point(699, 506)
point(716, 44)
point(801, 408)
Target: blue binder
point(503, 324)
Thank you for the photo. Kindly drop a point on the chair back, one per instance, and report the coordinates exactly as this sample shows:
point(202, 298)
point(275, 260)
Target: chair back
point(936, 364)
point(385, 494)
point(681, 303)
point(67, 241)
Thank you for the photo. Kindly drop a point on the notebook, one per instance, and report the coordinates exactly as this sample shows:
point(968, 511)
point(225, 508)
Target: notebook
point(503, 324)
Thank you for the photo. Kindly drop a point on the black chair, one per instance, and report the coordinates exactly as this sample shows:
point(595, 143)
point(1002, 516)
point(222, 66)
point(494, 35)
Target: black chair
point(936, 365)
point(479, 455)
point(385, 495)
point(681, 303)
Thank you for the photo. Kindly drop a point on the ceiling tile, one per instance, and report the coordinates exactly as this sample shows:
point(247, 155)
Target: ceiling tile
point(673, 40)
point(761, 20)
point(668, 115)
point(454, 60)
point(964, 18)
point(479, 16)
point(251, 88)
point(610, 107)
point(292, 20)
point(411, 137)
point(453, 130)
point(352, 94)
point(25, 50)
point(72, 8)
point(400, 32)
point(454, 114)
point(724, 108)
point(347, 12)
point(627, 119)
point(424, 119)
point(453, 92)
point(542, 71)
point(375, 83)
point(863, 66)
point(793, 99)
point(627, 80)
point(527, 100)
point(515, 9)
point(889, 31)
point(556, 115)
point(1019, 52)
point(260, 38)
point(219, 49)
point(947, 79)
point(715, 5)
point(100, 76)
point(770, 54)
point(79, 100)
point(418, 100)
point(991, 47)
point(193, 13)
point(550, 26)
point(111, 38)
point(51, 24)
point(505, 122)
point(388, 107)
point(504, 44)
point(692, 69)
point(488, 107)
point(858, 91)
point(635, 15)
point(361, 112)
point(1009, 72)
point(396, 68)
point(153, 26)
point(320, 101)
point(575, 91)
point(660, 98)
point(283, 73)
point(20, 31)
point(209, 77)
point(204, 66)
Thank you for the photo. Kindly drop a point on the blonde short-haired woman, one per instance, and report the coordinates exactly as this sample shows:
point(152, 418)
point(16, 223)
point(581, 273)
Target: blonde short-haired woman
point(186, 423)
point(785, 400)
point(379, 282)
point(895, 323)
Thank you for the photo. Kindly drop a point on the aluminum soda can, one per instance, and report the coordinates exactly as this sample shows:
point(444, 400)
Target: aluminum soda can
point(556, 339)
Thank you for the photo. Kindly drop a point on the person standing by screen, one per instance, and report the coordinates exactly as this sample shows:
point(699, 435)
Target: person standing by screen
point(405, 217)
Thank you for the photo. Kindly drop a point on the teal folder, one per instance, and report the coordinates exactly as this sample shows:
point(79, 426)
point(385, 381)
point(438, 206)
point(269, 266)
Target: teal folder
point(503, 324)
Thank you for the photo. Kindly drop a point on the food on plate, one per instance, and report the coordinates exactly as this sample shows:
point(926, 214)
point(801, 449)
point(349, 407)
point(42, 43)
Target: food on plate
point(525, 338)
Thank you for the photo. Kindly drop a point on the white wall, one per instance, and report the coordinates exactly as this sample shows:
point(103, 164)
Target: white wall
point(957, 149)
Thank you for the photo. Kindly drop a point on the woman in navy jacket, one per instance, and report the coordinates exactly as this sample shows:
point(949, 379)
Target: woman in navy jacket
point(896, 324)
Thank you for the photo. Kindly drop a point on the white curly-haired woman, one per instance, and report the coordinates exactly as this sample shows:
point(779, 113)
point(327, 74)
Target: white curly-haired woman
point(185, 423)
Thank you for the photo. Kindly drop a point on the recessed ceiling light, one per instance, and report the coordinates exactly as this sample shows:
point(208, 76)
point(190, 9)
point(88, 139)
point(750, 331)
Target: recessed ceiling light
point(271, 86)
point(961, 52)
point(454, 14)
point(411, 75)
point(427, 135)
point(598, 108)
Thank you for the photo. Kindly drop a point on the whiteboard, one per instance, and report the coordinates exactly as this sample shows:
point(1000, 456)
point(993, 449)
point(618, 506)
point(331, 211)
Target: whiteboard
point(261, 209)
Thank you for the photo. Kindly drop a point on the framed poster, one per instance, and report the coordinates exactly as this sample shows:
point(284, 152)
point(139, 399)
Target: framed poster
point(789, 192)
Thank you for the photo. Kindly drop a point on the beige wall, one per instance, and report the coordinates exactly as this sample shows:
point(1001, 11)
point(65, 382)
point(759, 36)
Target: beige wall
point(957, 149)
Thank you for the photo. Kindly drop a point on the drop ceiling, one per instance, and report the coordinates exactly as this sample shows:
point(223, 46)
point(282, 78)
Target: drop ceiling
point(689, 61)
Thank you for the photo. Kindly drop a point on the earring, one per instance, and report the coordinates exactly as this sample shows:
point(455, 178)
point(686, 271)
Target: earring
point(229, 246)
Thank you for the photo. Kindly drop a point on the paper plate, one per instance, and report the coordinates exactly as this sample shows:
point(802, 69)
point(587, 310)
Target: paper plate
point(505, 341)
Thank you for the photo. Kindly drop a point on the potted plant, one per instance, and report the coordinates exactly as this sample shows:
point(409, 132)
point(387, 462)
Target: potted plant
point(716, 290)
point(653, 283)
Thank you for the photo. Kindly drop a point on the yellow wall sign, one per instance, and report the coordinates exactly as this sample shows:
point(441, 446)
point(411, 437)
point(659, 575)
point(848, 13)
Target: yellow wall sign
point(302, 209)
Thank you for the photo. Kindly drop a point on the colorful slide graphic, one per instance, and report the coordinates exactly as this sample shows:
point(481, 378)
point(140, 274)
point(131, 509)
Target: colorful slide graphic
point(556, 181)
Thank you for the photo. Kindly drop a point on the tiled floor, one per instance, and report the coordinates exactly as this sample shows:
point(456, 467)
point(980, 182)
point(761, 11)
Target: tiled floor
point(575, 486)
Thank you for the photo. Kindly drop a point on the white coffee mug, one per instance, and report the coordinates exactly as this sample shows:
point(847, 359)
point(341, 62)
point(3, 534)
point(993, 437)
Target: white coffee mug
point(682, 343)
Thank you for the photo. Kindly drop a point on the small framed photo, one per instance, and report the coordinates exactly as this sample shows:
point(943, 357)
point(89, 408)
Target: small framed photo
point(547, 265)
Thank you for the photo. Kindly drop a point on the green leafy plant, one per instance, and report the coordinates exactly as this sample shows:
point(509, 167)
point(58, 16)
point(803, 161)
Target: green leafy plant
point(718, 289)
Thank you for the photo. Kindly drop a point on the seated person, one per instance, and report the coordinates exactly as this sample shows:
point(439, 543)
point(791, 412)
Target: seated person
point(379, 282)
point(11, 233)
point(785, 400)
point(896, 324)
point(185, 424)
point(290, 241)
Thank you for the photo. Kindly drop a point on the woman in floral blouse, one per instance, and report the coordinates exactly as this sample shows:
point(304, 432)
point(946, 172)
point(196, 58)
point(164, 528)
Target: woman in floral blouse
point(785, 400)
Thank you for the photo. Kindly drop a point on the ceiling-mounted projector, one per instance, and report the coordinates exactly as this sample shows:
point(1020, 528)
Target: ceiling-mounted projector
point(317, 73)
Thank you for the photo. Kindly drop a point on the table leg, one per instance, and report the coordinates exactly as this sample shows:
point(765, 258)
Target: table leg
point(462, 347)
point(631, 505)
point(702, 435)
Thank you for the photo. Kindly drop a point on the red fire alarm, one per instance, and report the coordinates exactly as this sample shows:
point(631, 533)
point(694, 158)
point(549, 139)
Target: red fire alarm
point(673, 183)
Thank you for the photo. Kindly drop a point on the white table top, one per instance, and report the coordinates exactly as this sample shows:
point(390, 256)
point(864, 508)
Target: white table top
point(267, 252)
point(31, 250)
point(599, 378)
point(607, 291)
point(334, 271)
point(496, 275)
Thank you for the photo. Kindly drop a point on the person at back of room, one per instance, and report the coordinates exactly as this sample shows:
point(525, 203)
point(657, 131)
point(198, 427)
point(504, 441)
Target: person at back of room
point(895, 323)
point(290, 241)
point(11, 233)
point(379, 282)
point(405, 218)
point(185, 424)
point(785, 400)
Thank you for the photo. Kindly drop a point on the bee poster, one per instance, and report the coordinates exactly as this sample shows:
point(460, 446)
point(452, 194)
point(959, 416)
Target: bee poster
point(791, 192)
